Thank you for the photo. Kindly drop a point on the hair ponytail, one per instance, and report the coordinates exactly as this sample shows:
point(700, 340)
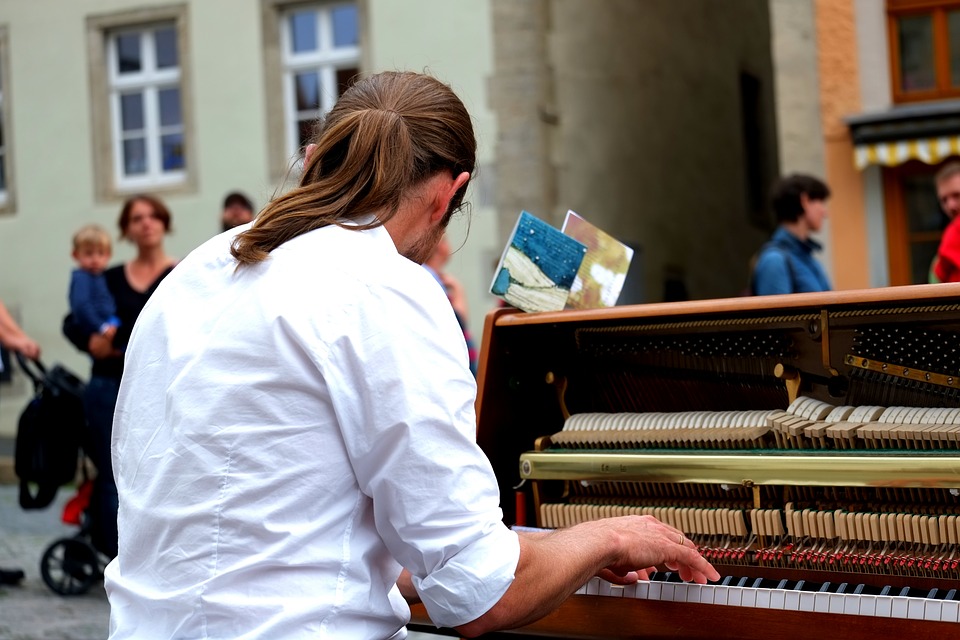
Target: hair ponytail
point(385, 135)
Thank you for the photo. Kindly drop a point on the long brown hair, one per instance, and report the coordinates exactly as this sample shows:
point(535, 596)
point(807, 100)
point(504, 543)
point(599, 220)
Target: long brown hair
point(386, 134)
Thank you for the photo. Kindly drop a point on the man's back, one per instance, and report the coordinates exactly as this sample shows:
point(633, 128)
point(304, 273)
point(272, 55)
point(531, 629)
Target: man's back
point(294, 492)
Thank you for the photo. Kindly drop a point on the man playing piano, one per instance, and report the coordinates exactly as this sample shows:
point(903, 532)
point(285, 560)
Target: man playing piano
point(294, 439)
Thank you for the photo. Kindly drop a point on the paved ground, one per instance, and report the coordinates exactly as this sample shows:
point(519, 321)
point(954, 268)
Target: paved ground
point(31, 610)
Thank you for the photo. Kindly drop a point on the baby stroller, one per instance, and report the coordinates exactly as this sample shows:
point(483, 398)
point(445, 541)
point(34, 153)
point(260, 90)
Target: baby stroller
point(48, 451)
point(70, 566)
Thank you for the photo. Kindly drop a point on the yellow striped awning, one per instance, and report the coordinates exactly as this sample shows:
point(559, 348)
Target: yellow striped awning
point(893, 153)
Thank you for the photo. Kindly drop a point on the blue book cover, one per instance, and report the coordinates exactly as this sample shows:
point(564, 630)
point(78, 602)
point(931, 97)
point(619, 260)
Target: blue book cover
point(538, 266)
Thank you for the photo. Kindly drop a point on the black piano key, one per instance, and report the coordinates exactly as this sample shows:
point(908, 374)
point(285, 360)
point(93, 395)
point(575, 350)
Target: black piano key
point(824, 588)
point(935, 594)
point(904, 592)
point(841, 588)
point(798, 585)
point(726, 581)
point(858, 589)
point(758, 583)
point(742, 582)
point(951, 595)
point(885, 591)
point(782, 584)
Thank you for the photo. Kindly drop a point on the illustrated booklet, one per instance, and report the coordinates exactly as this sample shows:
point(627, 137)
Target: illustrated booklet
point(538, 266)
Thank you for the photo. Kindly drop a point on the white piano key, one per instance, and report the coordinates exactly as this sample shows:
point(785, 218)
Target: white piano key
point(868, 605)
point(884, 606)
point(603, 588)
point(933, 610)
point(642, 591)
point(735, 596)
point(898, 608)
point(748, 598)
point(777, 599)
point(838, 603)
point(721, 594)
point(681, 592)
point(630, 591)
point(653, 590)
point(791, 600)
point(821, 602)
point(763, 598)
point(707, 593)
point(914, 608)
point(806, 601)
point(950, 611)
point(851, 604)
point(593, 587)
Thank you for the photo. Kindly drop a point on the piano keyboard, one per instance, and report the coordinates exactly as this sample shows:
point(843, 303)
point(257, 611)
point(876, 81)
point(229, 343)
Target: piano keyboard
point(935, 605)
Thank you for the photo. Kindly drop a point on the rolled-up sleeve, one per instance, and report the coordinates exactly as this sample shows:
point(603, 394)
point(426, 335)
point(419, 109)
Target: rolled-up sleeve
point(404, 396)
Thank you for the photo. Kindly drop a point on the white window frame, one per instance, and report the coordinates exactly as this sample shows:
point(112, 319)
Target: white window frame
point(106, 156)
point(326, 61)
point(149, 81)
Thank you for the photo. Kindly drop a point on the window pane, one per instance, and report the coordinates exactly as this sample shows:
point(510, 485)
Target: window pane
point(305, 129)
point(166, 43)
point(131, 111)
point(345, 26)
point(345, 78)
point(307, 90)
point(171, 146)
point(303, 31)
point(134, 156)
point(916, 53)
point(953, 35)
point(170, 107)
point(920, 201)
point(128, 53)
point(921, 257)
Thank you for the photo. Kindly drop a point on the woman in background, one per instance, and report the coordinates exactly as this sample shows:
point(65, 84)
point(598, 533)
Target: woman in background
point(144, 221)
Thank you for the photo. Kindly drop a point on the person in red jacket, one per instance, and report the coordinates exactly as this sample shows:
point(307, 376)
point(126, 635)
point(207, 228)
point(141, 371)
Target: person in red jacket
point(946, 265)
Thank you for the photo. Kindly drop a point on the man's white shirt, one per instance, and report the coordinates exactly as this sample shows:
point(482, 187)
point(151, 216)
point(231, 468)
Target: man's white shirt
point(288, 435)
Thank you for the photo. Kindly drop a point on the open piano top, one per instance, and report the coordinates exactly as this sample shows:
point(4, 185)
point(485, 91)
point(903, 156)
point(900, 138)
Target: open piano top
point(810, 444)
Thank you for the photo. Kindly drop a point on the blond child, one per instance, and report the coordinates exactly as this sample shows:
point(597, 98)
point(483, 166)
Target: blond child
point(91, 303)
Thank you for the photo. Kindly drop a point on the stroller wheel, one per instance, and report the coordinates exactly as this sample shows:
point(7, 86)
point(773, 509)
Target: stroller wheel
point(69, 566)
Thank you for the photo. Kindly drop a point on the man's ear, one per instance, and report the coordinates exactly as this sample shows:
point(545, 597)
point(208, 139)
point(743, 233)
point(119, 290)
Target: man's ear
point(308, 153)
point(445, 192)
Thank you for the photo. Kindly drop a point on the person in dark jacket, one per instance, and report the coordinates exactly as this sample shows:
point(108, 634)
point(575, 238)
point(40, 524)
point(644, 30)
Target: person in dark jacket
point(786, 264)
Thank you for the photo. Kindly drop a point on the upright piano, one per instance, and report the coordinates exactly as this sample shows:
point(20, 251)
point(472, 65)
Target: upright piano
point(808, 444)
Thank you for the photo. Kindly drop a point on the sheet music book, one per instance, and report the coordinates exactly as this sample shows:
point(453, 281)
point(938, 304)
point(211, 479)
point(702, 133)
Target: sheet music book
point(538, 266)
point(601, 275)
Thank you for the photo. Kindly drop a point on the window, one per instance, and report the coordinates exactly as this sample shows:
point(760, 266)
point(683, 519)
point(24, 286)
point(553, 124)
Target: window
point(320, 57)
point(924, 49)
point(145, 106)
point(141, 111)
point(6, 169)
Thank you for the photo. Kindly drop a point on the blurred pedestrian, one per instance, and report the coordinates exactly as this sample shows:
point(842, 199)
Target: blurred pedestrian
point(946, 264)
point(237, 210)
point(12, 337)
point(786, 264)
point(144, 221)
point(455, 293)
